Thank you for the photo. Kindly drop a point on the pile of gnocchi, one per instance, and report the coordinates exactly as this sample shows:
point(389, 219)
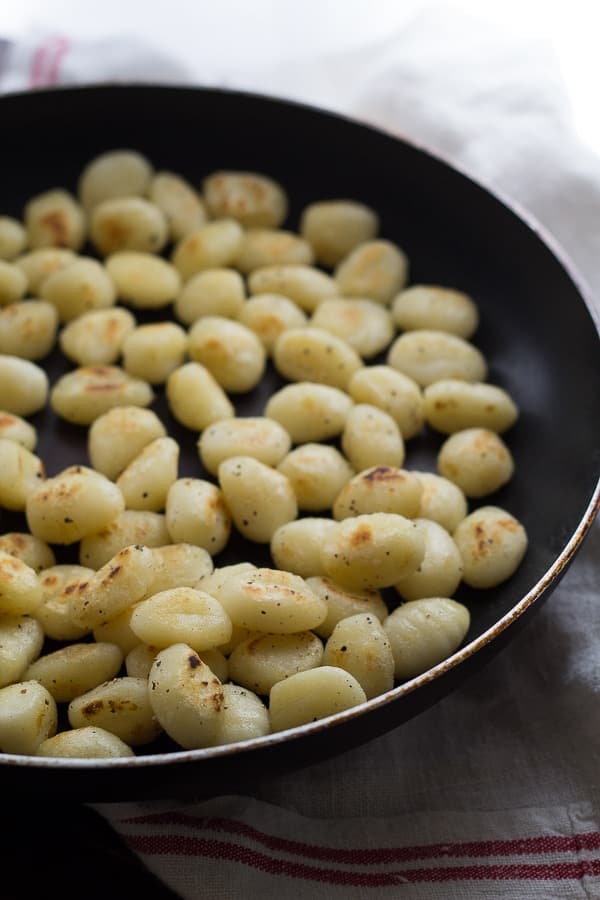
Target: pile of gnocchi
point(144, 636)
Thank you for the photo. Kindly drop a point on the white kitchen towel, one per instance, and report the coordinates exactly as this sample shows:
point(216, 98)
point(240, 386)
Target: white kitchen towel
point(492, 793)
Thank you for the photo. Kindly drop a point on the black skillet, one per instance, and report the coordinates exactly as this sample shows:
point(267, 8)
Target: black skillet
point(536, 332)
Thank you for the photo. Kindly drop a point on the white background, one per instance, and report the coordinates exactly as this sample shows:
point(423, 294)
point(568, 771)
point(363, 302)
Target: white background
point(227, 39)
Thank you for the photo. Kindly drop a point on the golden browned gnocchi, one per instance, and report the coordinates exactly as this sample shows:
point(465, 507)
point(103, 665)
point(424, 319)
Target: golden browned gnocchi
point(28, 716)
point(453, 405)
point(313, 354)
point(147, 479)
point(423, 633)
point(71, 671)
point(440, 571)
point(128, 223)
point(37, 265)
point(492, 544)
point(180, 204)
point(84, 743)
point(178, 565)
point(186, 697)
point(373, 550)
point(363, 324)
point(379, 489)
point(305, 285)
point(262, 660)
point(96, 338)
point(260, 498)
point(31, 550)
point(477, 460)
point(13, 238)
point(435, 308)
point(119, 435)
point(21, 641)
point(54, 219)
point(371, 437)
point(13, 283)
point(78, 287)
point(442, 501)
point(231, 352)
point(196, 513)
point(270, 600)
point(20, 588)
point(211, 247)
point(394, 393)
point(28, 329)
point(213, 292)
point(178, 615)
point(312, 695)
point(296, 546)
point(84, 394)
point(76, 502)
point(269, 315)
point(375, 269)
point(309, 411)
point(317, 473)
point(132, 526)
point(335, 227)
point(195, 398)
point(243, 716)
point(256, 436)
point(121, 706)
point(360, 646)
point(255, 200)
point(153, 351)
point(428, 356)
point(143, 280)
point(59, 583)
point(113, 589)
point(118, 631)
point(271, 247)
point(20, 474)
point(23, 386)
point(14, 428)
point(118, 173)
point(343, 603)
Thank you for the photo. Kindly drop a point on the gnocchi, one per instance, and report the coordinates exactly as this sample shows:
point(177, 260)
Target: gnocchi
point(429, 356)
point(312, 354)
point(181, 205)
point(71, 505)
point(213, 292)
point(28, 329)
point(231, 352)
point(54, 219)
point(477, 460)
point(374, 269)
point(309, 411)
point(259, 437)
point(317, 473)
point(359, 597)
point(143, 280)
point(334, 228)
point(253, 199)
point(96, 338)
point(269, 315)
point(363, 324)
point(128, 223)
point(435, 308)
point(260, 499)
